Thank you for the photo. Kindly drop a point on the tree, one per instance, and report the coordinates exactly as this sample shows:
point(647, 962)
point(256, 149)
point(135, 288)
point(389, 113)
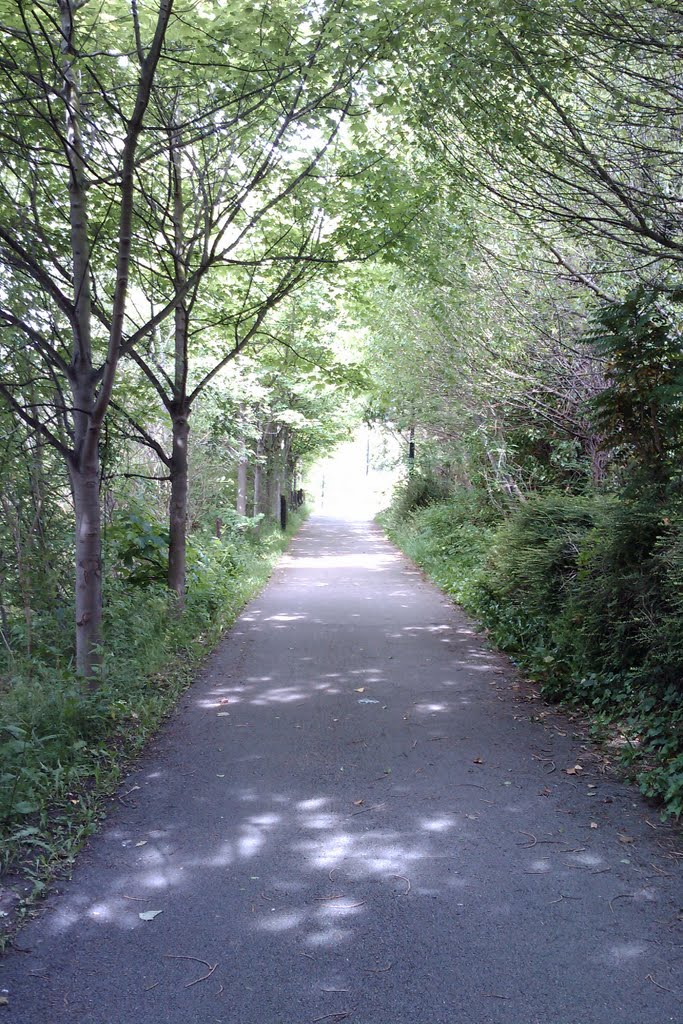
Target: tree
point(65, 193)
point(248, 213)
point(567, 115)
point(112, 118)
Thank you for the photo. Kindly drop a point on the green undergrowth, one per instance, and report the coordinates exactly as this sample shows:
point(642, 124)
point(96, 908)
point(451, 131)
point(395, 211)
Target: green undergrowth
point(586, 594)
point(64, 748)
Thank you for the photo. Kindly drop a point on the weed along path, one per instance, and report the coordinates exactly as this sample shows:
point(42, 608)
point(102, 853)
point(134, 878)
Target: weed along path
point(355, 815)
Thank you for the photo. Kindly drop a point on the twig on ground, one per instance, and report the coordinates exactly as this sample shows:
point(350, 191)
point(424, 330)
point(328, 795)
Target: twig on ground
point(492, 995)
point(340, 1015)
point(196, 959)
point(378, 970)
point(648, 977)
point(138, 899)
point(404, 879)
point(527, 846)
point(621, 896)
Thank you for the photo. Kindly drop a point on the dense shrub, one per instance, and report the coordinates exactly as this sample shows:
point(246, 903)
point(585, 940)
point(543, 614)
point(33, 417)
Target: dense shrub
point(586, 593)
point(417, 490)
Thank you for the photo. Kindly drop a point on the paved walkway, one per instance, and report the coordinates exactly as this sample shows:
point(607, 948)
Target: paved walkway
point(356, 815)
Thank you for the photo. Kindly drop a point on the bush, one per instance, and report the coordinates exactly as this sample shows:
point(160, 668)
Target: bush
point(450, 539)
point(586, 592)
point(417, 490)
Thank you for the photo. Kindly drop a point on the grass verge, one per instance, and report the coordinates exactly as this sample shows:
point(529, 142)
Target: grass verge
point(64, 750)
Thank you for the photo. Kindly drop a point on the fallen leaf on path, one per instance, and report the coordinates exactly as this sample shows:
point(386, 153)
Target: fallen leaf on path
point(359, 689)
point(477, 760)
point(149, 915)
point(143, 842)
point(623, 838)
point(358, 803)
point(594, 824)
point(576, 770)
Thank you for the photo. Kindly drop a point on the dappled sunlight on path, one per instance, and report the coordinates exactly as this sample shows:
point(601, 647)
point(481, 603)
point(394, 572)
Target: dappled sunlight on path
point(359, 812)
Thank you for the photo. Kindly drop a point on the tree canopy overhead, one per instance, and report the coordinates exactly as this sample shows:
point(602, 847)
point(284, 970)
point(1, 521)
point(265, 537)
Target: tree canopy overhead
point(229, 229)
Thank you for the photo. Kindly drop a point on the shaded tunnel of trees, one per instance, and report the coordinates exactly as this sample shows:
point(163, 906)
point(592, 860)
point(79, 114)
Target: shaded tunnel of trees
point(229, 233)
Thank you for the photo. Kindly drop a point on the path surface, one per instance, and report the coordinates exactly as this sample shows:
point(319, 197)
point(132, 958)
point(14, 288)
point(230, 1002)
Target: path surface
point(414, 860)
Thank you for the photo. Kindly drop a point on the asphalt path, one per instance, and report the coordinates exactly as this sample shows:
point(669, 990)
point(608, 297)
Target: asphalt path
point(359, 813)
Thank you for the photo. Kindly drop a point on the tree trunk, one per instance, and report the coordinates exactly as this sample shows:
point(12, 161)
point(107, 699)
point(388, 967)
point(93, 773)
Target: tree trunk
point(177, 518)
point(274, 486)
point(411, 450)
point(85, 483)
point(258, 477)
point(242, 469)
point(12, 516)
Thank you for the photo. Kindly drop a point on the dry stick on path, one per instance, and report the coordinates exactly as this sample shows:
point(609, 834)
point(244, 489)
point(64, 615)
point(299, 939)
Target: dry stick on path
point(648, 977)
point(527, 846)
point(196, 959)
point(621, 896)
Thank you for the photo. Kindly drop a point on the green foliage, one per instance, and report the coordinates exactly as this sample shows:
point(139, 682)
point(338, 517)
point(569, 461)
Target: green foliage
point(61, 745)
point(418, 490)
point(450, 539)
point(586, 593)
point(140, 547)
point(640, 412)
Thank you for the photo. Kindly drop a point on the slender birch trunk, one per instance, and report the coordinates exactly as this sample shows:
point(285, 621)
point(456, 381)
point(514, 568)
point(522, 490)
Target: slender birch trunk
point(180, 409)
point(242, 472)
point(177, 519)
point(258, 476)
point(84, 465)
